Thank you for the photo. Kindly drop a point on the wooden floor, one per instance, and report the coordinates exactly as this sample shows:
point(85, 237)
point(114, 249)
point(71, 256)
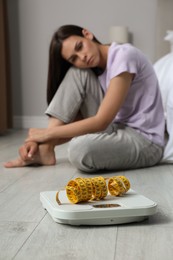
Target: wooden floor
point(28, 232)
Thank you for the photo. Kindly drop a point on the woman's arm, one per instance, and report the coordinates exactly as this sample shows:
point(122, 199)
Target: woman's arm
point(29, 149)
point(54, 123)
point(109, 107)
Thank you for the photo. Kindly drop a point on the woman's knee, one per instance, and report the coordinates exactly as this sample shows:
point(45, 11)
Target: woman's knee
point(81, 74)
point(80, 153)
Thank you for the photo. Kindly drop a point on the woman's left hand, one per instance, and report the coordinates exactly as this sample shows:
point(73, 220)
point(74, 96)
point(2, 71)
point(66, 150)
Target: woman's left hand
point(38, 135)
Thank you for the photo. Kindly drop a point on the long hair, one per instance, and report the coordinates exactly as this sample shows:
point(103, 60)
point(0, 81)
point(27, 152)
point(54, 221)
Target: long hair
point(58, 66)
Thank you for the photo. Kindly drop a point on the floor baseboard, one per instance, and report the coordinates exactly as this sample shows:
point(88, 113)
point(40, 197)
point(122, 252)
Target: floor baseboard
point(30, 122)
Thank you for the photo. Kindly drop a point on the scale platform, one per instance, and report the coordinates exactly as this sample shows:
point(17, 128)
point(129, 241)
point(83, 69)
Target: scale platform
point(131, 207)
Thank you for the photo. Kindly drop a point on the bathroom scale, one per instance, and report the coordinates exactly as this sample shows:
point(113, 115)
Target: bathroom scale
point(131, 207)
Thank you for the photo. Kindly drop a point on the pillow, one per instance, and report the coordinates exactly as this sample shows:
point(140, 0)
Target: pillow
point(168, 151)
point(163, 69)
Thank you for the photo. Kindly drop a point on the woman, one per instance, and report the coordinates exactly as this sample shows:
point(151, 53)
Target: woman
point(105, 99)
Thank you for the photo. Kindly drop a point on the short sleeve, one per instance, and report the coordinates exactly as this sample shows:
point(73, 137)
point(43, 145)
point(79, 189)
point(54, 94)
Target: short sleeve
point(124, 58)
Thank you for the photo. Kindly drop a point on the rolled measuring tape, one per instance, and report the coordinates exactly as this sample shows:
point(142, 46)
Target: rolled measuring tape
point(96, 188)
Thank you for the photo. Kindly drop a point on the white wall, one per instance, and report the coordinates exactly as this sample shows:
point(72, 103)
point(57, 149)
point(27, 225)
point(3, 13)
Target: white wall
point(32, 23)
point(164, 23)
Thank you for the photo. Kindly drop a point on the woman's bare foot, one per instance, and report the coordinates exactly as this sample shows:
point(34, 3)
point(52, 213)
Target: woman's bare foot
point(15, 163)
point(44, 156)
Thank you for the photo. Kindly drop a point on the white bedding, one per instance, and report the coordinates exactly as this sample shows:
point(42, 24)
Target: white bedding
point(164, 71)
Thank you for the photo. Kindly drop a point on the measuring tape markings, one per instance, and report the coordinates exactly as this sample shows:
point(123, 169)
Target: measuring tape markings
point(87, 189)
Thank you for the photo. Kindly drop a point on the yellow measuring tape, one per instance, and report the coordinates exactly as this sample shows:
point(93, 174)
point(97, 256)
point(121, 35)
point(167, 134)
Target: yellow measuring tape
point(96, 188)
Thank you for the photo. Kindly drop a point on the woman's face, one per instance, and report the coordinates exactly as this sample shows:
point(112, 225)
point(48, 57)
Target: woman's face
point(82, 52)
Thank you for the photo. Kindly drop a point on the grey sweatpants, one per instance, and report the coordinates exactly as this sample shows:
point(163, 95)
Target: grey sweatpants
point(118, 147)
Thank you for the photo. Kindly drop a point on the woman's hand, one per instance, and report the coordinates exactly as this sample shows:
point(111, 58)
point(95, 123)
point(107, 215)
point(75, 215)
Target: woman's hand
point(28, 150)
point(39, 135)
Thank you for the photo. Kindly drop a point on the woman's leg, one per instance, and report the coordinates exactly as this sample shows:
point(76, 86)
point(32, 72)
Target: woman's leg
point(118, 148)
point(79, 93)
point(44, 153)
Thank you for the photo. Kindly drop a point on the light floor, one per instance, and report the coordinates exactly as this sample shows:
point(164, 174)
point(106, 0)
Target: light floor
point(28, 232)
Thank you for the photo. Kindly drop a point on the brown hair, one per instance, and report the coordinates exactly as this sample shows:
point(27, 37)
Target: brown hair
point(58, 66)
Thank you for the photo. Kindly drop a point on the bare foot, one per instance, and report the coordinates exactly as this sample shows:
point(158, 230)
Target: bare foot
point(44, 156)
point(15, 163)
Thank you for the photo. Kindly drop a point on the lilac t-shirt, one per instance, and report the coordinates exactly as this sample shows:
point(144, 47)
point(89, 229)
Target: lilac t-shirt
point(142, 109)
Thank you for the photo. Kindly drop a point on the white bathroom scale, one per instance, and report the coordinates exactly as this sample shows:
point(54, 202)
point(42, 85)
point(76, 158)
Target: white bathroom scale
point(131, 207)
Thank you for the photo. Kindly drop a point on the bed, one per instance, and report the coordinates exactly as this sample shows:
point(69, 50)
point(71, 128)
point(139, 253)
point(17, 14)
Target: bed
point(164, 70)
